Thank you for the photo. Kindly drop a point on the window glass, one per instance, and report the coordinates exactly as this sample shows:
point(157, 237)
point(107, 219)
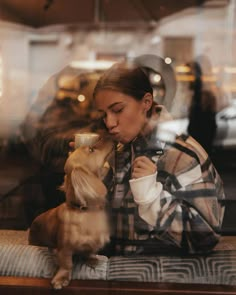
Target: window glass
point(49, 66)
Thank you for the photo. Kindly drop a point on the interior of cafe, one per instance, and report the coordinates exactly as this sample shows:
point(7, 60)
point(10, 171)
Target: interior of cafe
point(52, 53)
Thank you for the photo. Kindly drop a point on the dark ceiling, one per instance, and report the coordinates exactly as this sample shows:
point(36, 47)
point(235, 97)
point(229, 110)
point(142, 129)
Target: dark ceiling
point(95, 13)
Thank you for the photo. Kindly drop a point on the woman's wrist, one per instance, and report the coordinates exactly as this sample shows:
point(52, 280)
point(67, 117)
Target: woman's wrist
point(145, 189)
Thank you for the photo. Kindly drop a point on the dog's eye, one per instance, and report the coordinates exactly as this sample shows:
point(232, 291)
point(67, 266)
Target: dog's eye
point(91, 149)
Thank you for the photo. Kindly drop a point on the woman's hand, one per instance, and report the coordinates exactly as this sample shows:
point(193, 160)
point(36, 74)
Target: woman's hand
point(143, 166)
point(72, 147)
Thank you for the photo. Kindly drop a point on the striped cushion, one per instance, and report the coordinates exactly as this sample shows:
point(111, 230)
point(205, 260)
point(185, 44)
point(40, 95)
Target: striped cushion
point(217, 268)
point(32, 261)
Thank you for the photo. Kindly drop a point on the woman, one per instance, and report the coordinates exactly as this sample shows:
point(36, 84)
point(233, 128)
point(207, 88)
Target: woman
point(163, 197)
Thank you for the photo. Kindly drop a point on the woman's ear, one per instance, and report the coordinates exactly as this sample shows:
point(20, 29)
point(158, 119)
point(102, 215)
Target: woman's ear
point(147, 101)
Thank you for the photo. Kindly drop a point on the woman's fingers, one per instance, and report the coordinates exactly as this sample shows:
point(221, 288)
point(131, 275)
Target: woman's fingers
point(145, 163)
point(143, 166)
point(72, 144)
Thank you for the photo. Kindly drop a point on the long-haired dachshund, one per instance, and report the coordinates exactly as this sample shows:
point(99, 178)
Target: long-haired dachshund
point(80, 225)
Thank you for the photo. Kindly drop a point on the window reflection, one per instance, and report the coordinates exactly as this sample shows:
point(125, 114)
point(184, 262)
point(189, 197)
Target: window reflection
point(45, 96)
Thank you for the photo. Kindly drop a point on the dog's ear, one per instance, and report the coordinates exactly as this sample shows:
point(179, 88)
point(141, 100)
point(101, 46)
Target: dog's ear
point(88, 188)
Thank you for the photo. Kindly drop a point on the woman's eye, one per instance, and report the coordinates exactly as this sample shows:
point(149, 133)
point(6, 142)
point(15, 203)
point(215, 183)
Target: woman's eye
point(116, 111)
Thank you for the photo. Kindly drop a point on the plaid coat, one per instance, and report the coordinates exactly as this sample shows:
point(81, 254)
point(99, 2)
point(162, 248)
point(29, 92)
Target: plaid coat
point(188, 211)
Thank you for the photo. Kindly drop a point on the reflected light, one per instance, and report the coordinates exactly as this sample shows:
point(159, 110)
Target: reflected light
point(92, 64)
point(168, 60)
point(185, 78)
point(230, 70)
point(183, 69)
point(156, 78)
point(209, 78)
point(190, 78)
point(155, 40)
point(215, 70)
point(81, 98)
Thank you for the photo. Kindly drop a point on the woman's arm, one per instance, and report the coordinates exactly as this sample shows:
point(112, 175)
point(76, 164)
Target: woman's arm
point(185, 207)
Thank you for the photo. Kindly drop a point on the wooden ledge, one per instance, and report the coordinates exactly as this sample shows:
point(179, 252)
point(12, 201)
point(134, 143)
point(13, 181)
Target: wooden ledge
point(35, 286)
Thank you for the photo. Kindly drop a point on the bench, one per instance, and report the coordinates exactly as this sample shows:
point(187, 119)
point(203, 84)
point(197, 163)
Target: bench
point(26, 269)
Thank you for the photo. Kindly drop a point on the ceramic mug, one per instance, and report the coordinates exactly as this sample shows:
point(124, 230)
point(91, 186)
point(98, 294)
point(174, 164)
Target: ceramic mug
point(85, 139)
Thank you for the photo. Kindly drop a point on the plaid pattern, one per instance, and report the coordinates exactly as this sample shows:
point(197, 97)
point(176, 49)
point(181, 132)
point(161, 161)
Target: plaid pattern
point(189, 213)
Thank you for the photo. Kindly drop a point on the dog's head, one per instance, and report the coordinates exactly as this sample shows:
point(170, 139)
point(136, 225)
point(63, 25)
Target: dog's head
point(84, 171)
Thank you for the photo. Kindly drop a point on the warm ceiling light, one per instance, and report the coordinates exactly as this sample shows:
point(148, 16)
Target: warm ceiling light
point(91, 64)
point(185, 78)
point(183, 69)
point(81, 98)
point(168, 60)
point(156, 78)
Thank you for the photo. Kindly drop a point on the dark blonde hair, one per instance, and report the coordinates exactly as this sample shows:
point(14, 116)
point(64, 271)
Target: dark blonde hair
point(128, 79)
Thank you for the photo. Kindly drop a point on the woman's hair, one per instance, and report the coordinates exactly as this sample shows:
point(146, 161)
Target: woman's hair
point(128, 79)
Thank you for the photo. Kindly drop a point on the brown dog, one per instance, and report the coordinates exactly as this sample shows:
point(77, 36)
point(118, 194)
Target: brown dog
point(79, 225)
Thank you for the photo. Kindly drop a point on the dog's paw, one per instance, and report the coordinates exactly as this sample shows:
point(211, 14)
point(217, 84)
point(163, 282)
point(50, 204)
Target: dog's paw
point(58, 285)
point(93, 261)
point(61, 279)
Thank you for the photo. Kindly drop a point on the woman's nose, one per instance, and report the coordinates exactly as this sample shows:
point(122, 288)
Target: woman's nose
point(110, 121)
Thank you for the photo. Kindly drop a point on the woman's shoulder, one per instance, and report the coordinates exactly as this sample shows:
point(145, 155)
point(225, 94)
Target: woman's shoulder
point(192, 147)
point(183, 155)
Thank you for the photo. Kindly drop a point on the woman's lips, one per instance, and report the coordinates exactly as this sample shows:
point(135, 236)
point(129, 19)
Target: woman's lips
point(114, 134)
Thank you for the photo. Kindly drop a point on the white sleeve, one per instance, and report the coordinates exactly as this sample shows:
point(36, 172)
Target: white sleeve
point(146, 191)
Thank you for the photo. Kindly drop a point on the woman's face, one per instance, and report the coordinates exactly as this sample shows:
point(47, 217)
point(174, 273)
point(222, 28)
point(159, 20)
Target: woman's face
point(123, 115)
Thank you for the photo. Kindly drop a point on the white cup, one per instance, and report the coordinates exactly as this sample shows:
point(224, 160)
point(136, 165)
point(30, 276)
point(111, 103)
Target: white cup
point(85, 139)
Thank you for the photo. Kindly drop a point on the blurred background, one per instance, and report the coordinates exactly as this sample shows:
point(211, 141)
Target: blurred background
point(53, 51)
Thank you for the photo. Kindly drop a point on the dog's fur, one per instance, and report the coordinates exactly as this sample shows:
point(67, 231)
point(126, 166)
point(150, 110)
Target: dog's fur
point(80, 225)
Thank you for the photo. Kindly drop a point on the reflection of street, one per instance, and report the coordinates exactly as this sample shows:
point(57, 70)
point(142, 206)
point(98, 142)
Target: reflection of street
point(226, 166)
point(226, 127)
